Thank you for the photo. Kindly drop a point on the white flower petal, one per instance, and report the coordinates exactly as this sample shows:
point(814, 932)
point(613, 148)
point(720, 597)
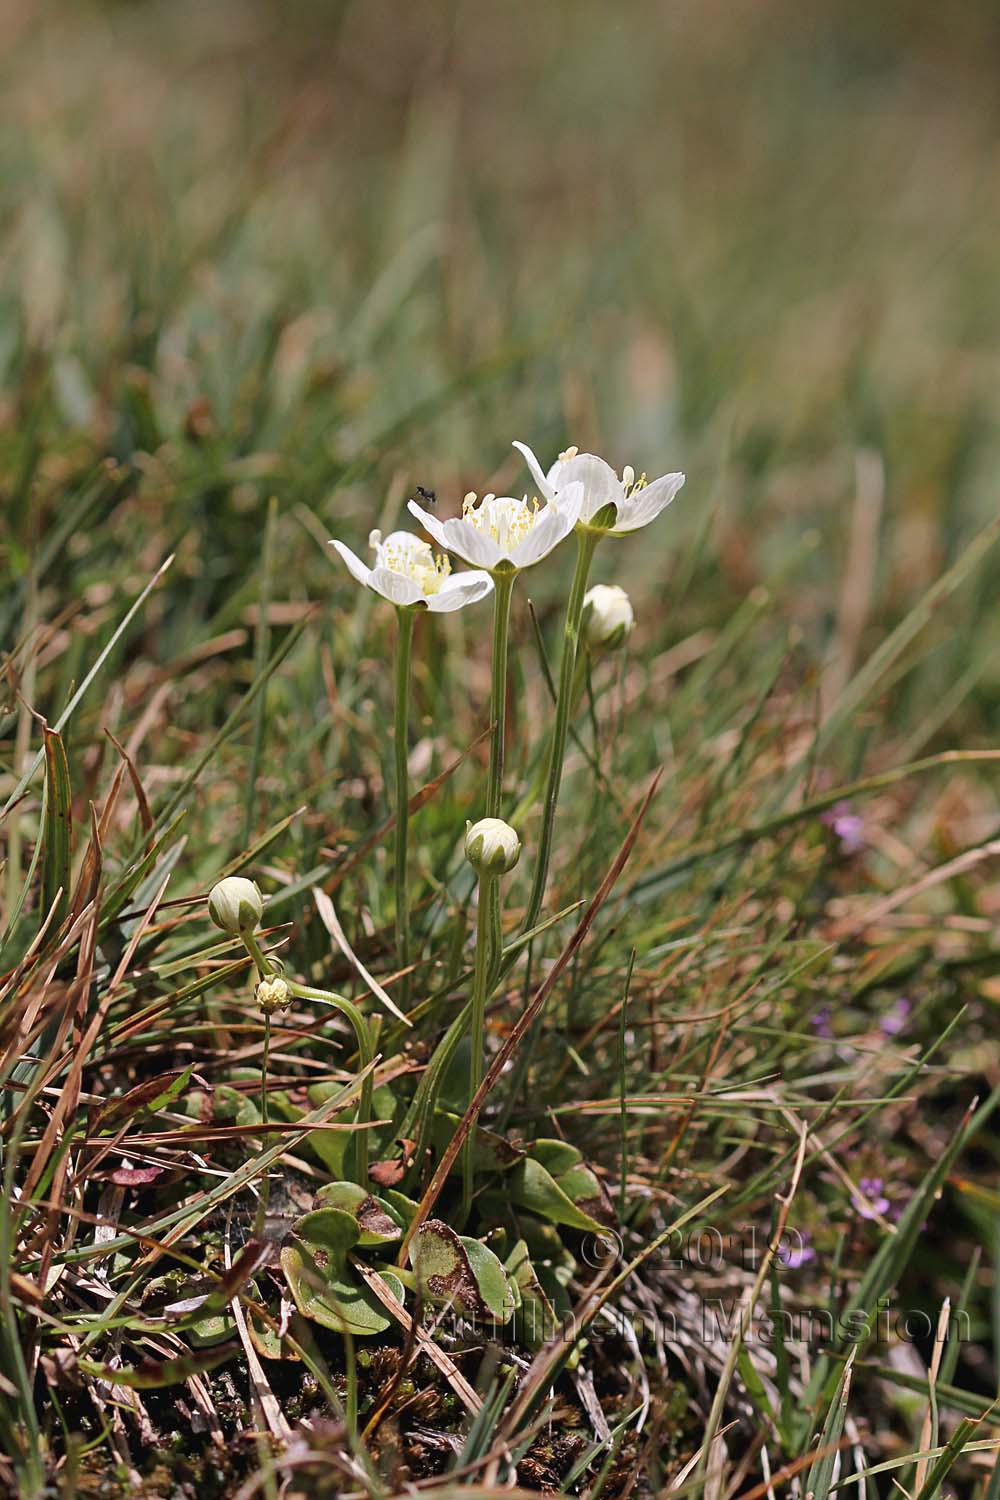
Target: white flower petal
point(555, 522)
point(395, 587)
point(545, 488)
point(601, 485)
point(570, 501)
point(354, 563)
point(459, 589)
point(460, 537)
point(430, 523)
point(645, 505)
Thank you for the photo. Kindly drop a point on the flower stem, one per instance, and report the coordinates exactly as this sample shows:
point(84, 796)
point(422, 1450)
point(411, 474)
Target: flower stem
point(356, 1160)
point(261, 962)
point(403, 644)
point(489, 900)
point(265, 1060)
point(265, 1181)
point(586, 543)
point(502, 591)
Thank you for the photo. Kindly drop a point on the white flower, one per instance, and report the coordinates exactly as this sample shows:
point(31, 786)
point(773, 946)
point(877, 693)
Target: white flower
point(236, 905)
point(407, 573)
point(636, 501)
point(501, 532)
point(492, 847)
point(608, 619)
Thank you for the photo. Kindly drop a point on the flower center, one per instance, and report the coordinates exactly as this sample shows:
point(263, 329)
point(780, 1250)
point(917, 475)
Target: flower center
point(411, 558)
point(506, 520)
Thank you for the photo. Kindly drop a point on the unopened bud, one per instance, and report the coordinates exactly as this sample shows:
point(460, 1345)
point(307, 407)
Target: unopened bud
point(608, 620)
point(273, 994)
point(492, 847)
point(236, 905)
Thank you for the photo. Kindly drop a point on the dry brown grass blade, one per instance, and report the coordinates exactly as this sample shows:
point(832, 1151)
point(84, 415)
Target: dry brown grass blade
point(69, 1098)
point(145, 815)
point(525, 1020)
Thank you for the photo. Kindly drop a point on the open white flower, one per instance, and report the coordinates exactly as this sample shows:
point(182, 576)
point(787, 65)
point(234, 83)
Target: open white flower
point(407, 573)
point(501, 532)
point(636, 501)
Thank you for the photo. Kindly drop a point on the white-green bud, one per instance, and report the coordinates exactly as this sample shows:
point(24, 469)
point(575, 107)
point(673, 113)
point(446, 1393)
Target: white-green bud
point(492, 847)
point(236, 905)
point(273, 994)
point(608, 620)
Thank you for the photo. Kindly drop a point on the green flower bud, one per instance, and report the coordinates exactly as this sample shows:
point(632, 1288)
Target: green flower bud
point(608, 620)
point(236, 905)
point(492, 847)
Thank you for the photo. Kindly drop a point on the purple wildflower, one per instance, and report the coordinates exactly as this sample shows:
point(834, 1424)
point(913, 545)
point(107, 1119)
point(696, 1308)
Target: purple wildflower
point(820, 1021)
point(894, 1021)
point(869, 1200)
point(794, 1256)
point(847, 825)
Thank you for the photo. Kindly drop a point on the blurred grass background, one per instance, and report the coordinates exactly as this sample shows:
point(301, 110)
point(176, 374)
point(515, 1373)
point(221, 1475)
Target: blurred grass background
point(261, 243)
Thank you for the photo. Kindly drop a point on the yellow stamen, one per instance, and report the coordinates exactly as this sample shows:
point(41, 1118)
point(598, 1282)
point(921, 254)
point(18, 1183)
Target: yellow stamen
point(412, 558)
point(506, 520)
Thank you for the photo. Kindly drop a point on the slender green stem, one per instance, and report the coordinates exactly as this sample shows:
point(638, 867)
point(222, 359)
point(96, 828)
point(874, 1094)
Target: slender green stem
point(502, 591)
point(586, 543)
point(357, 1156)
point(262, 963)
point(489, 889)
point(595, 727)
point(403, 644)
point(265, 1060)
point(265, 1181)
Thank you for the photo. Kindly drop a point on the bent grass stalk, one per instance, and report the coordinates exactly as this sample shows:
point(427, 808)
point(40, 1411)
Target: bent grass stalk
point(358, 1150)
point(404, 642)
point(357, 1156)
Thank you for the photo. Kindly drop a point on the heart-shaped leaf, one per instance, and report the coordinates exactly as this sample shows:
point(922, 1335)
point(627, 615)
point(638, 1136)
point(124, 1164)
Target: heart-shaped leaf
point(532, 1187)
point(331, 1230)
point(335, 1298)
point(536, 1320)
point(459, 1272)
point(491, 1152)
point(583, 1186)
point(555, 1156)
point(376, 1221)
point(211, 1330)
point(403, 1207)
point(491, 1279)
point(230, 1105)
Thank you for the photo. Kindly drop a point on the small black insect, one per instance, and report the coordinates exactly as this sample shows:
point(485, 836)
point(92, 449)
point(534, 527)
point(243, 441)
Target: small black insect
point(428, 496)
